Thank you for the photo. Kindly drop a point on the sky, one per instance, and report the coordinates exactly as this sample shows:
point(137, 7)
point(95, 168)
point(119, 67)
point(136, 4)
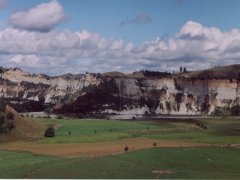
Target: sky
point(78, 36)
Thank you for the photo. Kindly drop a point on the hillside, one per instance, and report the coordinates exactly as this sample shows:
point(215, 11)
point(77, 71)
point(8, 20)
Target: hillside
point(212, 91)
point(21, 128)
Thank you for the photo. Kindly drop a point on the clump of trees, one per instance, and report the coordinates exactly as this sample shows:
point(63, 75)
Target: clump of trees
point(2, 120)
point(50, 132)
point(7, 124)
point(148, 73)
point(10, 116)
point(2, 106)
point(183, 69)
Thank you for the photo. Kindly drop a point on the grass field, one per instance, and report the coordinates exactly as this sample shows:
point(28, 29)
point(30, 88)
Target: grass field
point(83, 131)
point(152, 163)
point(219, 131)
point(182, 160)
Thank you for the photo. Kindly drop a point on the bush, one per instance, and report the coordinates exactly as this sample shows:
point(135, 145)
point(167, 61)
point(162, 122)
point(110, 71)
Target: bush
point(2, 120)
point(10, 126)
point(10, 116)
point(2, 106)
point(50, 132)
point(59, 117)
point(126, 149)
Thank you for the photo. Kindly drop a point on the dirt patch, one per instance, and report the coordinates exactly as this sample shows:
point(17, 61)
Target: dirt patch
point(93, 149)
point(160, 171)
point(57, 126)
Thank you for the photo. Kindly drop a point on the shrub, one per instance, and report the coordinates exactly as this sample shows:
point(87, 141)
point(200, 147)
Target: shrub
point(2, 106)
point(50, 132)
point(10, 126)
point(10, 116)
point(2, 120)
point(59, 117)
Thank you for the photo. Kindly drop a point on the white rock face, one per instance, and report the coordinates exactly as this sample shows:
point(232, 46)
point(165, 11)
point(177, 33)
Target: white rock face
point(57, 86)
point(183, 96)
point(180, 96)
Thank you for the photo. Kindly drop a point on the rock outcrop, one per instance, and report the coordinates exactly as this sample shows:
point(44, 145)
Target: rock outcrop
point(205, 92)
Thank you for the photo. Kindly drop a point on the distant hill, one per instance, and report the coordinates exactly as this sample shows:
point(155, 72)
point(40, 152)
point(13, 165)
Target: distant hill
point(218, 72)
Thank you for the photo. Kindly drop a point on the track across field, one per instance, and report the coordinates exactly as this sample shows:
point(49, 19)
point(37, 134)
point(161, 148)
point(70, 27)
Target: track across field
point(94, 149)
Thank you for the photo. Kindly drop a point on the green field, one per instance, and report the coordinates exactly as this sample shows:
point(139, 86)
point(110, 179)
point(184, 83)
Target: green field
point(99, 130)
point(219, 131)
point(180, 162)
point(205, 162)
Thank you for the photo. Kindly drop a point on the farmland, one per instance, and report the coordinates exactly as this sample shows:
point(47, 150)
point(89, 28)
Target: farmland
point(151, 163)
point(92, 148)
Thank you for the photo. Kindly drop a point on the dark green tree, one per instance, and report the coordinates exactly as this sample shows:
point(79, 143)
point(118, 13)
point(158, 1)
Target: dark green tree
point(2, 120)
point(181, 69)
point(50, 132)
point(10, 116)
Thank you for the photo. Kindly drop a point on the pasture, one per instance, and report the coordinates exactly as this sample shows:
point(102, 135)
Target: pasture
point(219, 131)
point(92, 148)
point(209, 163)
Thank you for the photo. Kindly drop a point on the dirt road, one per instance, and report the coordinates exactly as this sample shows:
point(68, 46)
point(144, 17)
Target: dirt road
point(93, 149)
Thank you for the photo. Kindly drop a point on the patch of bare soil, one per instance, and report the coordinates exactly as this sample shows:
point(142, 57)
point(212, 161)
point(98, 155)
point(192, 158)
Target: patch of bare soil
point(162, 171)
point(93, 149)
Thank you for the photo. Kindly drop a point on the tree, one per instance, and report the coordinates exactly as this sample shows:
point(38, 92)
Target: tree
point(2, 120)
point(10, 116)
point(181, 69)
point(2, 106)
point(1, 71)
point(10, 126)
point(50, 132)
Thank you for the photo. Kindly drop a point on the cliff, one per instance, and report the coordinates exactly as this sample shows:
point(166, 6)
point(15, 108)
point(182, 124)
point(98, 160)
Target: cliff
point(214, 91)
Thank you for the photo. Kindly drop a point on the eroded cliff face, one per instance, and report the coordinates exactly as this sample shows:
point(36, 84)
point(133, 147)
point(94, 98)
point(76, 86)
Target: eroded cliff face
point(179, 95)
point(96, 93)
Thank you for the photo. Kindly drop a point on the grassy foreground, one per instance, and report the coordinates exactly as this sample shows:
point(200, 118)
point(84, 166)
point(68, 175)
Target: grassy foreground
point(152, 163)
point(176, 162)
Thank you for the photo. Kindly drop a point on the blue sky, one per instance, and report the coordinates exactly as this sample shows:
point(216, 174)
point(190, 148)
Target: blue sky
point(126, 24)
point(105, 16)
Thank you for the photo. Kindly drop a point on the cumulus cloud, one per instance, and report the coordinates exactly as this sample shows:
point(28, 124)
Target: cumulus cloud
point(2, 3)
point(43, 17)
point(139, 19)
point(194, 46)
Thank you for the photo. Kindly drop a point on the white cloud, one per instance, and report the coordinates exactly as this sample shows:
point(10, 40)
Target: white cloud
point(57, 52)
point(43, 17)
point(2, 3)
